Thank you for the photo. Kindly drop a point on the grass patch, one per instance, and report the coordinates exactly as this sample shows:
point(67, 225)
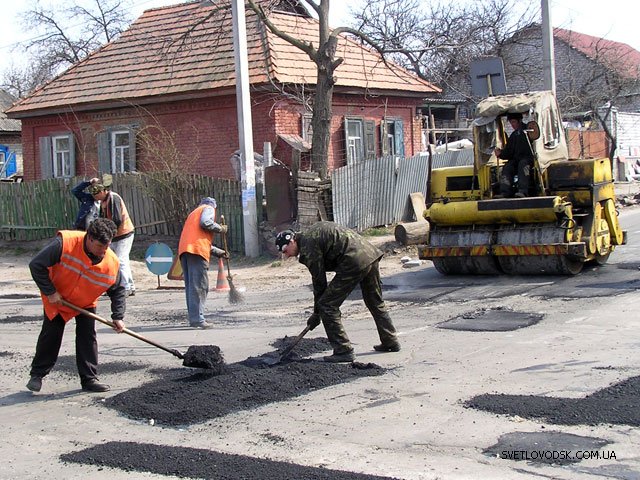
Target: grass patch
point(377, 232)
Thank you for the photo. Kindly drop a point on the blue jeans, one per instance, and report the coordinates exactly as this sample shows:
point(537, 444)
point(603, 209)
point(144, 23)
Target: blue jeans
point(196, 286)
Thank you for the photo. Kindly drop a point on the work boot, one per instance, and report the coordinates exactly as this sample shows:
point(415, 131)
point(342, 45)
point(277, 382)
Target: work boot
point(388, 347)
point(346, 357)
point(94, 385)
point(35, 383)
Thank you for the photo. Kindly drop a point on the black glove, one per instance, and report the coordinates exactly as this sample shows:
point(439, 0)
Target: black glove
point(314, 321)
point(218, 252)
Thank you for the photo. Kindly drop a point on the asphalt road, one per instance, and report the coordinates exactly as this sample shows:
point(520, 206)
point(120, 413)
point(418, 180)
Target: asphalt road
point(474, 349)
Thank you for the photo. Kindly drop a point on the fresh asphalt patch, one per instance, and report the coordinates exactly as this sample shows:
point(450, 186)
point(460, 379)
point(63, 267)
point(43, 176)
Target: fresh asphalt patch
point(22, 319)
point(185, 396)
point(491, 320)
point(556, 448)
point(198, 463)
point(617, 404)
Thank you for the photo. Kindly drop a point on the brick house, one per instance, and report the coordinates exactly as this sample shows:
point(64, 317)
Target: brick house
point(163, 95)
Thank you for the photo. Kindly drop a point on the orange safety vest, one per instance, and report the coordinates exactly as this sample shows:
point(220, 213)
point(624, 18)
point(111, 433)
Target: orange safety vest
point(126, 225)
point(195, 239)
point(76, 279)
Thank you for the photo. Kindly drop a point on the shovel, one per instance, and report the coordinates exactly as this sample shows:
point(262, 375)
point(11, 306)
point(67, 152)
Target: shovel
point(287, 351)
point(126, 330)
point(197, 356)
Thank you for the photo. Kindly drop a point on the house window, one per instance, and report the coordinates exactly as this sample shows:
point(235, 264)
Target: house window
point(117, 150)
point(307, 127)
point(57, 156)
point(392, 137)
point(2, 166)
point(354, 136)
point(61, 156)
point(120, 151)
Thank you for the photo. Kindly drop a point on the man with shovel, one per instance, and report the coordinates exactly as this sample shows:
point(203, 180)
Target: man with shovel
point(76, 267)
point(328, 247)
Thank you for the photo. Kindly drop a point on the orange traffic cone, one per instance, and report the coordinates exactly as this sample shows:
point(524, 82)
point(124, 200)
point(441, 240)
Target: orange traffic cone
point(222, 284)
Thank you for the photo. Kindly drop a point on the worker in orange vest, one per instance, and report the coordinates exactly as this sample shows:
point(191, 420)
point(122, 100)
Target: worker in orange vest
point(195, 249)
point(112, 207)
point(77, 267)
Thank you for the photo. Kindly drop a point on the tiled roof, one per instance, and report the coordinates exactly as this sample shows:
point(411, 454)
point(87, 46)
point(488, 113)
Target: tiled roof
point(616, 56)
point(154, 57)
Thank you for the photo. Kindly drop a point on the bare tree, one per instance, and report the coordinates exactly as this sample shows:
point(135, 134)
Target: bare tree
point(65, 35)
point(438, 40)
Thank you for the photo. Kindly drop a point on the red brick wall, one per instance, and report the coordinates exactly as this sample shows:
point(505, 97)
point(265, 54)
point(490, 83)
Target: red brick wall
point(205, 131)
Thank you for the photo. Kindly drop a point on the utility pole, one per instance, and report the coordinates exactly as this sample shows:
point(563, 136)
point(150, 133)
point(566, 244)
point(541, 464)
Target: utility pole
point(245, 131)
point(548, 57)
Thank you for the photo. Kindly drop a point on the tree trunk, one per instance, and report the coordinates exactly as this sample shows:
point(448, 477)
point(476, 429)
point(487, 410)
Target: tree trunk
point(412, 233)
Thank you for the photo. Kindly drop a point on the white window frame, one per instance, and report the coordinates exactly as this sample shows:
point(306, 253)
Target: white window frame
point(61, 157)
point(119, 153)
point(390, 131)
point(355, 143)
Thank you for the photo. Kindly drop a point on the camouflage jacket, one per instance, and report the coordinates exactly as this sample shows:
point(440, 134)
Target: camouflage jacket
point(328, 247)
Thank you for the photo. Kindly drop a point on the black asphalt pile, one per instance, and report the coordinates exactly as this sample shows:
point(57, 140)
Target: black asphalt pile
point(306, 347)
point(182, 397)
point(616, 404)
point(198, 463)
point(205, 356)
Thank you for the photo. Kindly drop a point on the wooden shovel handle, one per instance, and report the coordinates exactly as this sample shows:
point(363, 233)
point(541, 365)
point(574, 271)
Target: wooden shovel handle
point(125, 330)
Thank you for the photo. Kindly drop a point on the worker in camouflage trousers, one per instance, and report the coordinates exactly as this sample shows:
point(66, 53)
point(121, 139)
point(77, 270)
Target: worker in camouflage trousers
point(328, 247)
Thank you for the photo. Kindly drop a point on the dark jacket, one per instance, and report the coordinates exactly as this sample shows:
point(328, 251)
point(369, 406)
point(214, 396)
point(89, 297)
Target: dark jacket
point(518, 146)
point(328, 247)
point(86, 202)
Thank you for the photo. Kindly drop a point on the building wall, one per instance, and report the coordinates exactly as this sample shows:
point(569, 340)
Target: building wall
point(205, 131)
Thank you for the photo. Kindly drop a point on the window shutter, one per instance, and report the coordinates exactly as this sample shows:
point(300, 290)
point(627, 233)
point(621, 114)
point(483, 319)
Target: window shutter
point(398, 137)
point(46, 160)
point(132, 149)
point(346, 141)
point(104, 152)
point(72, 155)
point(383, 137)
point(369, 139)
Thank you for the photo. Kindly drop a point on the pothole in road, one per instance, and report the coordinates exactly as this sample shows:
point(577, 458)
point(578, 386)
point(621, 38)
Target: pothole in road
point(199, 463)
point(618, 404)
point(18, 296)
point(547, 447)
point(491, 320)
point(21, 319)
point(628, 265)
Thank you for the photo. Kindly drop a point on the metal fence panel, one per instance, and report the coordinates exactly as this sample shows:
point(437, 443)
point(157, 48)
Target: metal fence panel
point(376, 192)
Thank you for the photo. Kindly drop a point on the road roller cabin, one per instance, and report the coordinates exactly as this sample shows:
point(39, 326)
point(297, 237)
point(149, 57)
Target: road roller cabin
point(567, 219)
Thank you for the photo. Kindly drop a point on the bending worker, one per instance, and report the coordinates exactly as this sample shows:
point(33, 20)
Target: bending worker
point(328, 247)
point(77, 267)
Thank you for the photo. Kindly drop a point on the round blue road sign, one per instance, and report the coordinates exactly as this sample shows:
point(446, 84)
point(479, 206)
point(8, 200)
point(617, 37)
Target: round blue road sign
point(159, 258)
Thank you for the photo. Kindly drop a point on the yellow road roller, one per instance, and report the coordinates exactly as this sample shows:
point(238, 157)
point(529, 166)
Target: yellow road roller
point(567, 219)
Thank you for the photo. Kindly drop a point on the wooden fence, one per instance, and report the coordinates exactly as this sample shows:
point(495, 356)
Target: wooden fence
point(36, 210)
point(376, 192)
